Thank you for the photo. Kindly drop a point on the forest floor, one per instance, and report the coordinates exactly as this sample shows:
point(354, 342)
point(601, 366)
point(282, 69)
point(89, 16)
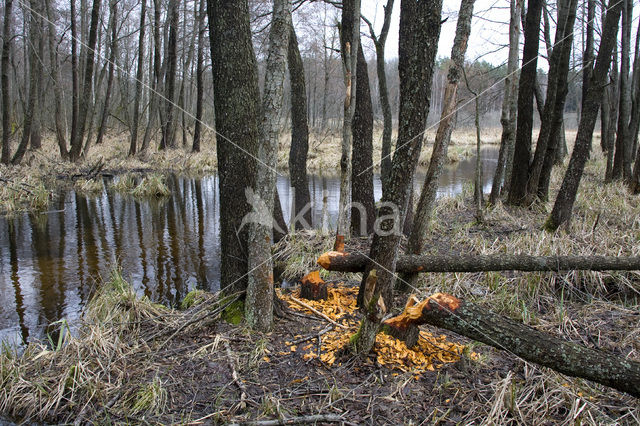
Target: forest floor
point(31, 185)
point(133, 361)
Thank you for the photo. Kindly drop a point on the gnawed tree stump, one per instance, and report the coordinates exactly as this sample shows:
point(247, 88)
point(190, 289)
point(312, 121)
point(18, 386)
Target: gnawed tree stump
point(478, 323)
point(348, 262)
point(312, 287)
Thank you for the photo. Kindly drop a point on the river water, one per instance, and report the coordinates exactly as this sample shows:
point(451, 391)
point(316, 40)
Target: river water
point(51, 263)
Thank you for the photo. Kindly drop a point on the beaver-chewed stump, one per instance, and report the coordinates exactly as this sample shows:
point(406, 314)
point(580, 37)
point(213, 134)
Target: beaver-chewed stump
point(312, 287)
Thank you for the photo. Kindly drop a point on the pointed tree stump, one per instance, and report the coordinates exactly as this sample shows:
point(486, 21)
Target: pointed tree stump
point(478, 323)
point(312, 287)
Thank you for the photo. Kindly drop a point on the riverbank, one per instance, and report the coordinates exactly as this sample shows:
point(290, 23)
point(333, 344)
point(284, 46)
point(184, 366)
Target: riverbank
point(30, 186)
point(133, 361)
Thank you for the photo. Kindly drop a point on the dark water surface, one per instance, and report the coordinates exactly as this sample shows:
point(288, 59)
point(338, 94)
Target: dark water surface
point(51, 263)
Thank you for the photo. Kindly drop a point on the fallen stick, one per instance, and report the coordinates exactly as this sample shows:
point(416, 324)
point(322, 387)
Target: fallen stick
point(315, 311)
point(236, 378)
point(345, 262)
point(313, 336)
point(315, 418)
point(478, 323)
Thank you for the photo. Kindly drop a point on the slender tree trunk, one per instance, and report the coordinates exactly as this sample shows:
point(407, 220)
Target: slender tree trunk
point(419, 231)
point(349, 43)
point(554, 104)
point(157, 80)
point(185, 70)
point(507, 120)
point(4, 75)
point(622, 158)
point(259, 299)
point(613, 93)
point(299, 147)
point(55, 75)
point(563, 206)
point(587, 56)
point(522, 154)
point(199, 80)
point(35, 73)
point(139, 76)
point(168, 124)
point(75, 85)
point(363, 211)
point(236, 94)
point(86, 98)
point(418, 45)
point(112, 60)
point(379, 43)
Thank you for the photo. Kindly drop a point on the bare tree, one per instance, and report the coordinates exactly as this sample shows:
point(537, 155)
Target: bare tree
point(135, 124)
point(168, 124)
point(111, 63)
point(419, 231)
point(260, 292)
point(563, 206)
point(4, 76)
point(418, 41)
point(199, 80)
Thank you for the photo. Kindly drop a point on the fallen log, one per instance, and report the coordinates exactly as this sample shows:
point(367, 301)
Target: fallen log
point(477, 323)
point(350, 262)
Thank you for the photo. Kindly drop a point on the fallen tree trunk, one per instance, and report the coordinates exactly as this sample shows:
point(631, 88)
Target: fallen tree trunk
point(345, 262)
point(477, 323)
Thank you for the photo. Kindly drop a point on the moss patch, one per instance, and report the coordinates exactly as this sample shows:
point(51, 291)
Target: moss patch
point(234, 314)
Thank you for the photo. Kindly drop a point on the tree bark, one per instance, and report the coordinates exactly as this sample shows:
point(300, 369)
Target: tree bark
point(613, 90)
point(418, 45)
point(86, 98)
point(379, 43)
point(362, 154)
point(236, 94)
point(195, 147)
point(168, 124)
point(419, 231)
point(349, 43)
point(157, 77)
point(587, 56)
point(465, 318)
point(4, 76)
point(299, 147)
point(522, 153)
point(259, 297)
point(509, 103)
point(622, 158)
point(112, 60)
point(35, 73)
point(563, 206)
point(340, 262)
point(554, 104)
point(139, 75)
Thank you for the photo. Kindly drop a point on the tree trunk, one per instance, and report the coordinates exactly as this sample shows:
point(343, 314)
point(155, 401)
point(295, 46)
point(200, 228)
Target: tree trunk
point(418, 42)
point(259, 298)
point(57, 90)
point(341, 262)
point(157, 80)
point(4, 75)
point(35, 73)
point(509, 103)
point(236, 94)
point(86, 98)
point(419, 231)
point(168, 124)
point(563, 206)
point(622, 158)
point(349, 43)
point(554, 104)
point(199, 81)
point(522, 153)
point(379, 43)
point(139, 76)
point(363, 211)
point(299, 147)
point(587, 56)
point(477, 323)
point(613, 92)
point(112, 60)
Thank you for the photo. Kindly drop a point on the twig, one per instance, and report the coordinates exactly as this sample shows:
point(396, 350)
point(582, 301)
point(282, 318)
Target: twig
point(304, 305)
point(315, 418)
point(313, 336)
point(236, 377)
